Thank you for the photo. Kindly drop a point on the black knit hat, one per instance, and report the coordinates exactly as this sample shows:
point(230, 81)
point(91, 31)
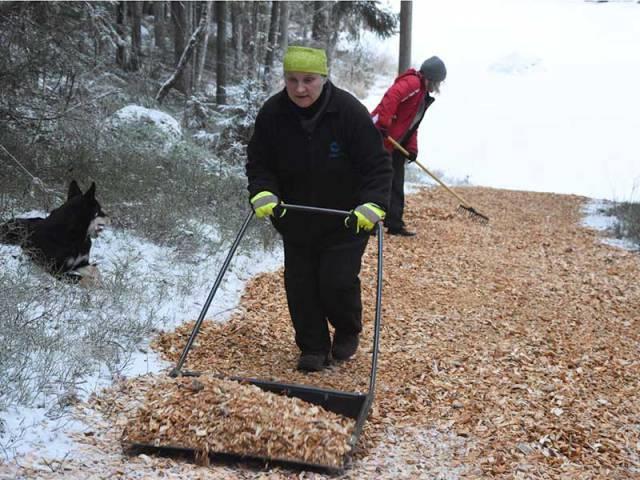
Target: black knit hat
point(433, 68)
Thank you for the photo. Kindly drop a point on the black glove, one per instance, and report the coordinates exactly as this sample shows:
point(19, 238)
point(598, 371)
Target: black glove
point(383, 132)
point(412, 157)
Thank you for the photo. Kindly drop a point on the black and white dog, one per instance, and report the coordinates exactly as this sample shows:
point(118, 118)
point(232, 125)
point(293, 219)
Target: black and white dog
point(61, 242)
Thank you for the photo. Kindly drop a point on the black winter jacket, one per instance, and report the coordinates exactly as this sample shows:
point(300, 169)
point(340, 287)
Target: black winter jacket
point(341, 164)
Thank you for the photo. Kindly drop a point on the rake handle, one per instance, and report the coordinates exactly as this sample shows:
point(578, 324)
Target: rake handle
point(404, 152)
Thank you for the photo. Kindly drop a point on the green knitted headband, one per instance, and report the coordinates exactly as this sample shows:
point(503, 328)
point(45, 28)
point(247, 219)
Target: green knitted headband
point(307, 60)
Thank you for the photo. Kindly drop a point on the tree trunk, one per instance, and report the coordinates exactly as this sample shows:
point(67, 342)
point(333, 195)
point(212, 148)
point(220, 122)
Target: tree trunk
point(236, 34)
point(40, 13)
point(251, 36)
point(159, 27)
point(189, 72)
point(283, 38)
point(135, 60)
point(320, 29)
point(334, 18)
point(404, 57)
point(184, 59)
point(271, 45)
point(193, 20)
point(261, 37)
point(307, 13)
point(179, 19)
point(121, 49)
point(332, 42)
point(202, 49)
point(221, 64)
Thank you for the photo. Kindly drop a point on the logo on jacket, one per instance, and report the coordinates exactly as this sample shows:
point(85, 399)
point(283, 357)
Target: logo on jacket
point(334, 150)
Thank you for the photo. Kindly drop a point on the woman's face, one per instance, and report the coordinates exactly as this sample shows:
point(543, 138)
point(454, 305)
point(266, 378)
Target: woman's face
point(431, 86)
point(303, 88)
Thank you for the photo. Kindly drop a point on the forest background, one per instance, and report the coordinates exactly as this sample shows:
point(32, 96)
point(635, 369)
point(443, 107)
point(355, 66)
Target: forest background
point(155, 102)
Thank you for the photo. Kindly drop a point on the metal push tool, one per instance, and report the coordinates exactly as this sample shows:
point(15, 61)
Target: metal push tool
point(348, 404)
point(464, 205)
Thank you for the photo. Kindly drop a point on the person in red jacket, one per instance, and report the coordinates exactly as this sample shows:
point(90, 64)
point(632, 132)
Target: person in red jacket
point(398, 115)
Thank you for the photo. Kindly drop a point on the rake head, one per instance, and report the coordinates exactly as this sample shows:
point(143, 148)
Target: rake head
point(473, 214)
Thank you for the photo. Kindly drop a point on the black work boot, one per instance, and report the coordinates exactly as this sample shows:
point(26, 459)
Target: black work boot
point(312, 362)
point(402, 231)
point(344, 345)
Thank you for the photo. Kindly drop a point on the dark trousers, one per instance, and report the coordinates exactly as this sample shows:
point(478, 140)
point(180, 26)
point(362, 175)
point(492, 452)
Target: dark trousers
point(323, 285)
point(393, 219)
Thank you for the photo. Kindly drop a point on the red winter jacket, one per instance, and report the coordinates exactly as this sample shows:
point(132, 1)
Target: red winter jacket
point(399, 106)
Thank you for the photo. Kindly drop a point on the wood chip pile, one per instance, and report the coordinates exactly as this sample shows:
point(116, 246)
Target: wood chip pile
point(210, 414)
point(521, 336)
point(509, 351)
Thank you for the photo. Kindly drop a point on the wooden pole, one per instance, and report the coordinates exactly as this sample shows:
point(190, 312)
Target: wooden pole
point(404, 56)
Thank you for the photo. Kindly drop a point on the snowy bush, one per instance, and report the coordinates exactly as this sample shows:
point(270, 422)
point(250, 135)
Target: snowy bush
point(236, 125)
point(153, 126)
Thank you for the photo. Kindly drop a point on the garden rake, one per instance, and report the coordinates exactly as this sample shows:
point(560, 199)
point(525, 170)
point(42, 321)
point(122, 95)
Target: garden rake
point(464, 206)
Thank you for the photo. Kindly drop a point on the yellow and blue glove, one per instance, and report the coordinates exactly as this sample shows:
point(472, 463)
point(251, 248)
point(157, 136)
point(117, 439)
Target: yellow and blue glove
point(266, 204)
point(364, 217)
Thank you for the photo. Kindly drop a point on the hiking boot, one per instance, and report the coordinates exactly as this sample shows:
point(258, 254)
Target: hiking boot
point(344, 345)
point(312, 362)
point(402, 231)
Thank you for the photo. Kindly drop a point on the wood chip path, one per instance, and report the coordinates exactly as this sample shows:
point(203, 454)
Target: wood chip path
point(510, 350)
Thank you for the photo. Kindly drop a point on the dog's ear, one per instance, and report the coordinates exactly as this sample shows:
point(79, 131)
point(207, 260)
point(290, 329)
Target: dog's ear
point(91, 193)
point(74, 190)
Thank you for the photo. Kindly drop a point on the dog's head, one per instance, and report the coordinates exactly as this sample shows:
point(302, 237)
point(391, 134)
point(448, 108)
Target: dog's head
point(89, 206)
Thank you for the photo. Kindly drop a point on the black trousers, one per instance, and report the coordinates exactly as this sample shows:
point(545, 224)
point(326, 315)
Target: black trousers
point(393, 219)
point(323, 285)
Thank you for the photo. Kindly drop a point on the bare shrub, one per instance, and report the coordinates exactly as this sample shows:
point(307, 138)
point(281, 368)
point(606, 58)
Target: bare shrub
point(628, 224)
point(356, 69)
point(54, 335)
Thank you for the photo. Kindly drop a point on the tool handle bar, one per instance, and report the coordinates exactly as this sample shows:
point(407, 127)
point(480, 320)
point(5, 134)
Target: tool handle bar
point(177, 370)
point(306, 208)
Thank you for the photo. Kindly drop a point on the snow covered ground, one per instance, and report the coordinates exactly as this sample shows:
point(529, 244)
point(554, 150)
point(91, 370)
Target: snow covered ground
point(27, 428)
point(541, 95)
